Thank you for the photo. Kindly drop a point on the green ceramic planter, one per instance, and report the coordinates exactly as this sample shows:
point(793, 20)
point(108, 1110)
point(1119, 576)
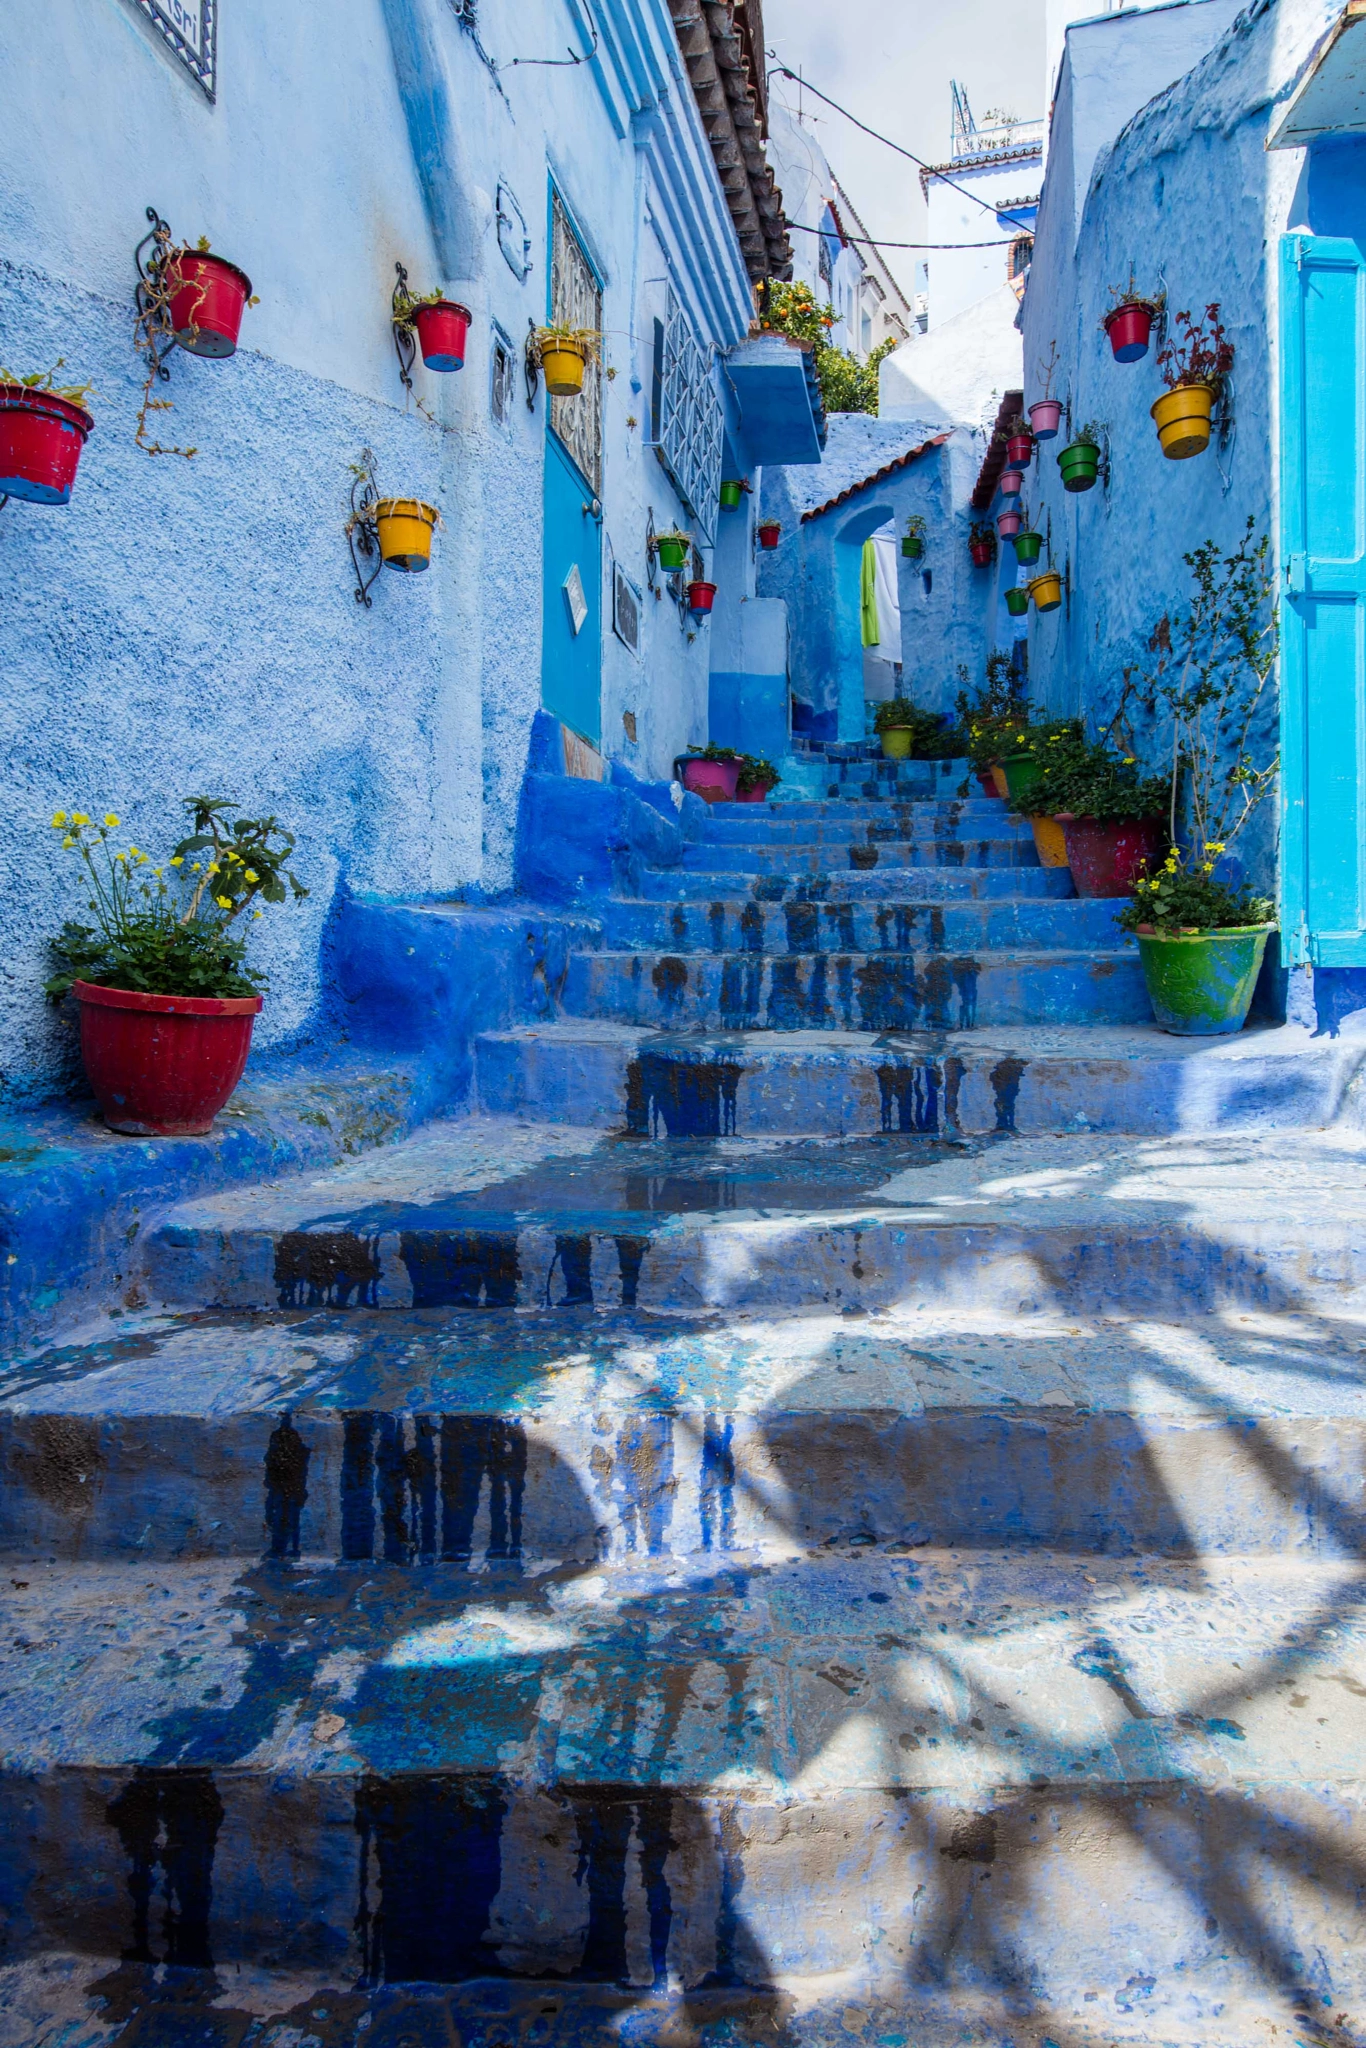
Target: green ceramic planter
point(730, 495)
point(673, 554)
point(1200, 984)
point(1028, 546)
point(1080, 465)
point(1017, 602)
point(912, 547)
point(1022, 771)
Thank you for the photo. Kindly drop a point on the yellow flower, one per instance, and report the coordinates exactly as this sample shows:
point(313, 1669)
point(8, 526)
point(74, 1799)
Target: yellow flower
point(68, 841)
point(177, 861)
point(58, 820)
point(223, 902)
point(251, 874)
point(234, 856)
point(1214, 846)
point(214, 868)
point(110, 820)
point(1128, 760)
point(256, 913)
point(195, 866)
point(79, 818)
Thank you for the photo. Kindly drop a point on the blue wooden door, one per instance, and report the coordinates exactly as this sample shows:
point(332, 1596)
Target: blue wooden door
point(571, 629)
point(1323, 616)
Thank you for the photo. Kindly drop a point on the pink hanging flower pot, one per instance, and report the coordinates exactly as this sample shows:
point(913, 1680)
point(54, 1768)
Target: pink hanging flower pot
point(1012, 483)
point(1009, 523)
point(1045, 416)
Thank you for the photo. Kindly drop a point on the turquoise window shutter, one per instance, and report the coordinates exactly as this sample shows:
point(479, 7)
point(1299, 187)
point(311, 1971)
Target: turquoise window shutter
point(1323, 601)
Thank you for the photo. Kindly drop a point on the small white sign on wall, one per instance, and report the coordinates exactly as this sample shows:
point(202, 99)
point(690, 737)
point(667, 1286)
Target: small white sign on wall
point(189, 29)
point(575, 599)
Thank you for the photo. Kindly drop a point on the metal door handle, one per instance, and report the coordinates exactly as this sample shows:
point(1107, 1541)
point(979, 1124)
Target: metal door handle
point(1297, 575)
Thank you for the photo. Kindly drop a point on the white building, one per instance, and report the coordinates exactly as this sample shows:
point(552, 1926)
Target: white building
point(986, 194)
point(832, 251)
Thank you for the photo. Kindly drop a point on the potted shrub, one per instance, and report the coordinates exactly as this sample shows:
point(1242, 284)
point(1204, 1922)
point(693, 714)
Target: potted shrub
point(166, 1003)
point(405, 527)
point(1019, 443)
point(989, 719)
point(701, 598)
point(565, 352)
point(1017, 601)
point(1129, 323)
point(894, 723)
point(732, 491)
point(982, 543)
point(1012, 483)
point(1079, 461)
point(770, 532)
point(913, 539)
point(1032, 777)
point(1202, 936)
point(712, 773)
point(1112, 818)
point(1028, 543)
point(673, 548)
point(207, 297)
point(1193, 368)
point(756, 778)
point(441, 325)
point(43, 428)
point(1046, 590)
point(1009, 522)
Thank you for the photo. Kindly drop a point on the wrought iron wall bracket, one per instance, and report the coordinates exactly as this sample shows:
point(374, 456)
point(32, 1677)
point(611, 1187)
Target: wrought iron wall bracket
point(531, 364)
point(405, 340)
point(148, 258)
point(362, 528)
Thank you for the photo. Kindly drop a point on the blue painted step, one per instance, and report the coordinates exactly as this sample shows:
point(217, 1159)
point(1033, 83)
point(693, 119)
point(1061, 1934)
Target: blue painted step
point(879, 884)
point(884, 991)
point(874, 827)
point(808, 857)
point(615, 1077)
point(740, 925)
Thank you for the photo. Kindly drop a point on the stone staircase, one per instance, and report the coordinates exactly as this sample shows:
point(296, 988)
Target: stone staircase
point(784, 1526)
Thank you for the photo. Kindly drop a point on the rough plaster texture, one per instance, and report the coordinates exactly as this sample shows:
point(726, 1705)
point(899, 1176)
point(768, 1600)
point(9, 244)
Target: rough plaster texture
point(190, 624)
point(955, 374)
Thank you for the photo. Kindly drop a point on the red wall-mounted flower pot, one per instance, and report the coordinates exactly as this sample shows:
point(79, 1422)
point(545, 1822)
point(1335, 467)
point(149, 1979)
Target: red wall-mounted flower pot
point(713, 781)
point(1106, 855)
point(207, 296)
point(163, 1066)
point(1129, 328)
point(769, 531)
point(701, 597)
point(441, 333)
point(1012, 483)
point(41, 438)
point(981, 552)
point(1019, 448)
point(1045, 416)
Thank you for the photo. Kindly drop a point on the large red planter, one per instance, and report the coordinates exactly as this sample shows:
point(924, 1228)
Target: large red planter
point(41, 438)
point(1107, 856)
point(1019, 448)
point(208, 295)
point(701, 598)
point(1129, 328)
point(163, 1066)
point(441, 332)
point(713, 781)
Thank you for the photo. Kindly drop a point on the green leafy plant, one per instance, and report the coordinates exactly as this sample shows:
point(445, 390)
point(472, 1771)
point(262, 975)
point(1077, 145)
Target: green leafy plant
point(846, 384)
point(915, 526)
point(46, 380)
point(586, 338)
point(931, 740)
point(1088, 779)
point(993, 717)
point(982, 533)
point(1199, 353)
point(1180, 897)
point(1090, 435)
point(757, 773)
point(167, 929)
point(793, 310)
point(711, 752)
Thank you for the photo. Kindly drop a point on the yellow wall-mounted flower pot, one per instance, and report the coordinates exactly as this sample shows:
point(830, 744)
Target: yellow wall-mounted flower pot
point(1046, 591)
point(562, 364)
point(1183, 420)
point(1050, 842)
point(405, 533)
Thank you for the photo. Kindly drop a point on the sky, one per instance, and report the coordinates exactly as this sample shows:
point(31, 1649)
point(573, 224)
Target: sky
point(890, 62)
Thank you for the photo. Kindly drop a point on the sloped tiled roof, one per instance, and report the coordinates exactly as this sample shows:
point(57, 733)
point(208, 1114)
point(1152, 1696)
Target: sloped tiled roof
point(994, 461)
point(887, 469)
point(722, 45)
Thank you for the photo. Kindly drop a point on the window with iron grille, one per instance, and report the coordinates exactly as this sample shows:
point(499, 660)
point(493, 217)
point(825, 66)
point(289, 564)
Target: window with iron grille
point(576, 301)
point(688, 427)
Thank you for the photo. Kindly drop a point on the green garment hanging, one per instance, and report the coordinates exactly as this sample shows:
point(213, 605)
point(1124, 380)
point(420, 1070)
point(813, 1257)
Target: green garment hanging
point(868, 596)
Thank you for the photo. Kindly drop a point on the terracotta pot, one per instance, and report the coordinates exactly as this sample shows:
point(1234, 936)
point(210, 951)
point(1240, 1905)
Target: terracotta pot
point(563, 363)
point(441, 334)
point(163, 1066)
point(701, 598)
point(1129, 327)
point(1044, 417)
point(769, 533)
point(713, 781)
point(1200, 984)
point(1107, 856)
point(41, 438)
point(1012, 483)
point(1050, 842)
point(207, 299)
point(896, 742)
point(1008, 524)
point(1019, 449)
point(405, 533)
point(981, 552)
point(1183, 420)
point(998, 780)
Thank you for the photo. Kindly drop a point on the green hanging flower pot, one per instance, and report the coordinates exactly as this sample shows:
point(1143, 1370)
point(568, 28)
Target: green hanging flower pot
point(1200, 984)
point(731, 493)
point(1017, 602)
point(1079, 464)
point(912, 547)
point(1028, 546)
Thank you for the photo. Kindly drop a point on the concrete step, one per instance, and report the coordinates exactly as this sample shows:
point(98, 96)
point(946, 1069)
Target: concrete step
point(886, 883)
point(1081, 1224)
point(1005, 851)
point(863, 1773)
point(411, 1434)
point(880, 825)
point(837, 1084)
point(738, 924)
point(885, 810)
point(884, 991)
